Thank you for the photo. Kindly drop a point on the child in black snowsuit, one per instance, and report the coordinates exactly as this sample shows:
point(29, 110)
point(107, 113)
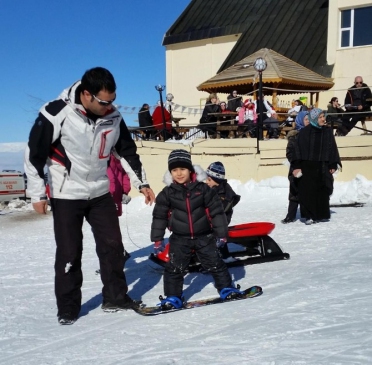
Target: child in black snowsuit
point(194, 214)
point(216, 180)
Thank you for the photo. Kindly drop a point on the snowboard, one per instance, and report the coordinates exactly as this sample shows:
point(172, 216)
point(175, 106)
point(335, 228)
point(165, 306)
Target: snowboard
point(251, 292)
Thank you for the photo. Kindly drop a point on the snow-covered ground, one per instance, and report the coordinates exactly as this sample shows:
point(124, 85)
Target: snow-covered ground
point(316, 307)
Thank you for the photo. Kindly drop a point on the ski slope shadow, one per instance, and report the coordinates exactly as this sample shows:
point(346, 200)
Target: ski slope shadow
point(137, 271)
point(196, 282)
point(90, 305)
point(146, 275)
point(142, 273)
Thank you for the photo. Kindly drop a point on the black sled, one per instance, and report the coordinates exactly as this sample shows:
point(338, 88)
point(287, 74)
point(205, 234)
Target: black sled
point(248, 243)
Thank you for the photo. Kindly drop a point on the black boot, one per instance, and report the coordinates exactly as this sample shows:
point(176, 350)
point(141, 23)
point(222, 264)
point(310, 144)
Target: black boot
point(287, 220)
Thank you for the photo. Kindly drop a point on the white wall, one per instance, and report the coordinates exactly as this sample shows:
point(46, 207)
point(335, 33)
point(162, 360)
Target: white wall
point(188, 64)
point(348, 62)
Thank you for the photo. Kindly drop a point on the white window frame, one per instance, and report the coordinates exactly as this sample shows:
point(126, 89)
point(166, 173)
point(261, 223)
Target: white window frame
point(351, 29)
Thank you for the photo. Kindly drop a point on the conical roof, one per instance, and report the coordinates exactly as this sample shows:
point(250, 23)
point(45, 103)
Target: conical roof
point(281, 73)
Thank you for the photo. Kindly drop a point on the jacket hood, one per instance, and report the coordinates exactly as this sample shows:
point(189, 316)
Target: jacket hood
point(198, 175)
point(292, 134)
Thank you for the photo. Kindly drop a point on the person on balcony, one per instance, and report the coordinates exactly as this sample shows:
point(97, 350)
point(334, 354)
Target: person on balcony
point(208, 121)
point(145, 121)
point(234, 101)
point(358, 101)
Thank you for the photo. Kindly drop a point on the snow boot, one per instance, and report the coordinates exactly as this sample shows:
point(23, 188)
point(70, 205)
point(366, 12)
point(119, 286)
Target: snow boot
point(67, 318)
point(171, 302)
point(230, 293)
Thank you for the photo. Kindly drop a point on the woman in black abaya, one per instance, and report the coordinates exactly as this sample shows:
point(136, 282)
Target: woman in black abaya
point(315, 160)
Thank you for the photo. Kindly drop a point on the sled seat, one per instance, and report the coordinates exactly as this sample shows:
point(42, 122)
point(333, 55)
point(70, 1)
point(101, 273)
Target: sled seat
point(251, 229)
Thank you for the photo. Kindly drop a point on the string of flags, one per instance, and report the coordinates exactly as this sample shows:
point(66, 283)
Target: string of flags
point(175, 108)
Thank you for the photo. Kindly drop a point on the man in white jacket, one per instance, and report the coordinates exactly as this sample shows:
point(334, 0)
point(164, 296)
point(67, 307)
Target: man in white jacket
point(74, 136)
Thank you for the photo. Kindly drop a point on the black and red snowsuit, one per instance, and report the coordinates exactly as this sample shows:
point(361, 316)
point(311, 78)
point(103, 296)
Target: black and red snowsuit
point(195, 216)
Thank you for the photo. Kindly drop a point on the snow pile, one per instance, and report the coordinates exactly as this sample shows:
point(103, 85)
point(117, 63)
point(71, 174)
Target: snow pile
point(359, 190)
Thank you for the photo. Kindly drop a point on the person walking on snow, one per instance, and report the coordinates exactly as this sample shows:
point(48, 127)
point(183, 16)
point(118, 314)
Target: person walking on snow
point(74, 135)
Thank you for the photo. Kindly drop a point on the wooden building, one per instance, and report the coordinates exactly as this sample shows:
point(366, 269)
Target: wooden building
point(211, 36)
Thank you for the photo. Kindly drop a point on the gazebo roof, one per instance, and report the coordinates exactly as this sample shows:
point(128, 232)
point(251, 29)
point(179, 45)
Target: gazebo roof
point(281, 73)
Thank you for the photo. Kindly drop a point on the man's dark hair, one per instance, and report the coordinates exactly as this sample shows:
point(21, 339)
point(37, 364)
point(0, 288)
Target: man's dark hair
point(97, 79)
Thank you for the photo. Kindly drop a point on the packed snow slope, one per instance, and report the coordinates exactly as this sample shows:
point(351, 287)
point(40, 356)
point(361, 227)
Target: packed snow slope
point(315, 309)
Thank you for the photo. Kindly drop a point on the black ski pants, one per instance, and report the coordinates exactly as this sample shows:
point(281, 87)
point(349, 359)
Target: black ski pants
point(181, 250)
point(68, 221)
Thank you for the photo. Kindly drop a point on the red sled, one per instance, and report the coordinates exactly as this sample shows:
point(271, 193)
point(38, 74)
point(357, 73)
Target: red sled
point(249, 243)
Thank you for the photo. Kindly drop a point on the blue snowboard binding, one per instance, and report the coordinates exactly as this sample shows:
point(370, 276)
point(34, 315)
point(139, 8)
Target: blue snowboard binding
point(170, 303)
point(231, 293)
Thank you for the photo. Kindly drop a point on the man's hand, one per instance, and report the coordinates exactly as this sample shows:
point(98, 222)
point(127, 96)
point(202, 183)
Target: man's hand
point(149, 195)
point(296, 172)
point(332, 171)
point(360, 107)
point(40, 207)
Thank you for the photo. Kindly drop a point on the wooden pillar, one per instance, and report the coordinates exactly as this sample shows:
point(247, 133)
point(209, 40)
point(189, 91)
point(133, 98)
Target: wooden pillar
point(317, 99)
point(275, 96)
point(311, 99)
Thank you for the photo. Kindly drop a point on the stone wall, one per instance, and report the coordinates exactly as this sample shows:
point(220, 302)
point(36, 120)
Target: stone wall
point(242, 162)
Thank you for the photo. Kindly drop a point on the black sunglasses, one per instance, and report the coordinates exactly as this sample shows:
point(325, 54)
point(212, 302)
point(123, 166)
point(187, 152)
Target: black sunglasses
point(103, 102)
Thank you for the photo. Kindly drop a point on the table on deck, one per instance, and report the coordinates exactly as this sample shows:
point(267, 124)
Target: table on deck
point(229, 125)
point(180, 129)
point(139, 133)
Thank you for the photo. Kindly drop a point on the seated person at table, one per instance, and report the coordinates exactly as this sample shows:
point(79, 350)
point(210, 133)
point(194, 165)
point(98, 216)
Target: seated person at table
point(247, 118)
point(358, 100)
point(298, 107)
point(224, 108)
point(145, 121)
point(209, 121)
point(157, 118)
point(334, 114)
point(225, 120)
point(234, 101)
point(269, 117)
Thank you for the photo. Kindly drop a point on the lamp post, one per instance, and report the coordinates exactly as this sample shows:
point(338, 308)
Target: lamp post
point(160, 88)
point(260, 66)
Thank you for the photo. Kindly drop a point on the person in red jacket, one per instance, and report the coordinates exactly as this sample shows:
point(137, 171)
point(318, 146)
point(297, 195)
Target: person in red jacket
point(157, 120)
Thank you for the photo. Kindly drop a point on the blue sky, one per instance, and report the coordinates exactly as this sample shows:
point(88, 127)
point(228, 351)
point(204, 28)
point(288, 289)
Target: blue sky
point(47, 45)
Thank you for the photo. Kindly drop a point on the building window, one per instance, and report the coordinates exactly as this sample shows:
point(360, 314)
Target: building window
point(356, 27)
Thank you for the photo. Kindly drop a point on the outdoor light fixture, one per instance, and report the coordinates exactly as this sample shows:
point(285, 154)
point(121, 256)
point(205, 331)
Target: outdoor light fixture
point(260, 65)
point(160, 88)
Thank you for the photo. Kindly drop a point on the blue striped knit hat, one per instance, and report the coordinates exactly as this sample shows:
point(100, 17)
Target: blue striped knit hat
point(179, 158)
point(216, 171)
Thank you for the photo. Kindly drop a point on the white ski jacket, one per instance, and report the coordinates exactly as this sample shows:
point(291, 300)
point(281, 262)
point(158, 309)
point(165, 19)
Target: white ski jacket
point(76, 150)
